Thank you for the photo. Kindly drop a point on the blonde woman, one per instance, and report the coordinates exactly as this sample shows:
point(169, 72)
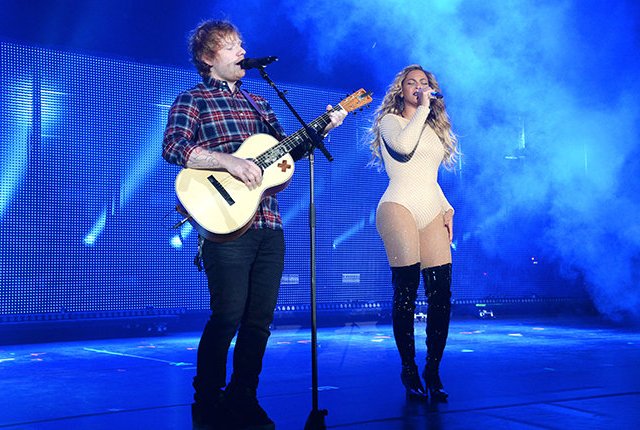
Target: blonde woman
point(412, 137)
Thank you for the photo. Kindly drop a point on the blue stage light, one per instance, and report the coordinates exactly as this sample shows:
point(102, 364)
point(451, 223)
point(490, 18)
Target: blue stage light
point(98, 227)
point(14, 138)
point(352, 231)
point(176, 242)
point(146, 160)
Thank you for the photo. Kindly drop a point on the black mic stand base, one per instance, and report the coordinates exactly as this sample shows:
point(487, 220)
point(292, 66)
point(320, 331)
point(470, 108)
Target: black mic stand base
point(315, 421)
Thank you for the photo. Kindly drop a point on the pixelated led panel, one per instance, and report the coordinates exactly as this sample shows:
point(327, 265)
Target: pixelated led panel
point(86, 202)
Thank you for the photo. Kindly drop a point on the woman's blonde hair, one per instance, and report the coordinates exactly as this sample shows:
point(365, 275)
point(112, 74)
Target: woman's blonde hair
point(438, 119)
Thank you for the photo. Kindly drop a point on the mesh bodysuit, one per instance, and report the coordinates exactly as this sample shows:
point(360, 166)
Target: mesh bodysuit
point(412, 153)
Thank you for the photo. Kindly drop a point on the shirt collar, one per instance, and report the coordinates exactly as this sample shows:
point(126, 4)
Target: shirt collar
point(219, 84)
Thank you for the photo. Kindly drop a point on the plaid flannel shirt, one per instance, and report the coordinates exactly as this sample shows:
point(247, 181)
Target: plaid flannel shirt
point(209, 115)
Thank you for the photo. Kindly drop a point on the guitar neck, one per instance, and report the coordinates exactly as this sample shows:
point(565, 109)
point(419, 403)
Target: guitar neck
point(291, 142)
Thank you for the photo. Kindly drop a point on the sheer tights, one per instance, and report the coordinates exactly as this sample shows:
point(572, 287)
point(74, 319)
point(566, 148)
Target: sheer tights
point(405, 244)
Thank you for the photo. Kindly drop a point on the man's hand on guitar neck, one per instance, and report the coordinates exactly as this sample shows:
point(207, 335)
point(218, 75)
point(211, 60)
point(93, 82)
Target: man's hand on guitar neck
point(336, 119)
point(244, 170)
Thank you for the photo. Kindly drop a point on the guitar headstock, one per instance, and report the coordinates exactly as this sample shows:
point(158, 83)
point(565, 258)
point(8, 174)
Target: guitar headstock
point(356, 100)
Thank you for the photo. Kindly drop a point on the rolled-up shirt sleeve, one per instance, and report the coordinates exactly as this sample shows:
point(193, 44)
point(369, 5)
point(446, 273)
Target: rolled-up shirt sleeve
point(182, 127)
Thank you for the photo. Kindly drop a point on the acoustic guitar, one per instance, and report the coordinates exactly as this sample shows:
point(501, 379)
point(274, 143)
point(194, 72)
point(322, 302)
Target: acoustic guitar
point(221, 207)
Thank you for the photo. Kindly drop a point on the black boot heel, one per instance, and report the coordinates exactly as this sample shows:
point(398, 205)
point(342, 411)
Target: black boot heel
point(434, 386)
point(411, 381)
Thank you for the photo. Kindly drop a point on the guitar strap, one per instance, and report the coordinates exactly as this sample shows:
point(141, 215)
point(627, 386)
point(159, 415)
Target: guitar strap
point(252, 102)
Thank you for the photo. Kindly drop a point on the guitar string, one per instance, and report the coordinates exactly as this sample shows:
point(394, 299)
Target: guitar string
point(284, 144)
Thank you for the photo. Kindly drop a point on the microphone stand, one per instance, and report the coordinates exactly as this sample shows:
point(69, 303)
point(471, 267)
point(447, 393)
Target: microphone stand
point(315, 421)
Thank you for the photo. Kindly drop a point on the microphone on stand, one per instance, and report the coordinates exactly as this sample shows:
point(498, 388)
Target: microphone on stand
point(255, 63)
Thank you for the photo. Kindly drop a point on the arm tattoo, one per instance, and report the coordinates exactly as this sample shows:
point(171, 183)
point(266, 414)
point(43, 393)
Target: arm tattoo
point(200, 158)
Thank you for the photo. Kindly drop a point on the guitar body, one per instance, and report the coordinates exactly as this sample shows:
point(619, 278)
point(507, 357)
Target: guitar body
point(220, 206)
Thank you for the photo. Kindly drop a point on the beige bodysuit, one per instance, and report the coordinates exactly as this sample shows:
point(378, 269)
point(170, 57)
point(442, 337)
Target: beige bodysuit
point(412, 153)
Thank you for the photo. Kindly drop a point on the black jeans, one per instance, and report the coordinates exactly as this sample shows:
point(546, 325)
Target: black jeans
point(244, 278)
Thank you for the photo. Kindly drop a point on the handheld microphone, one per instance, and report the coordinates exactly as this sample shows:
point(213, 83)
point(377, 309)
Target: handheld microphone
point(254, 63)
point(436, 95)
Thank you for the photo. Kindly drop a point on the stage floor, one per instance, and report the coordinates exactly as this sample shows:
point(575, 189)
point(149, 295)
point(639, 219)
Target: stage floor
point(524, 373)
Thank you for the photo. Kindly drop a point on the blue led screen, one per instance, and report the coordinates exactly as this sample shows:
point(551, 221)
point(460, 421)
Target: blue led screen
point(86, 200)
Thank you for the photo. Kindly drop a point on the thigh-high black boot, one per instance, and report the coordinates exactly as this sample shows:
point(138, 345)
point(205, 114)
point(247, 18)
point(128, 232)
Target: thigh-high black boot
point(437, 281)
point(406, 280)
